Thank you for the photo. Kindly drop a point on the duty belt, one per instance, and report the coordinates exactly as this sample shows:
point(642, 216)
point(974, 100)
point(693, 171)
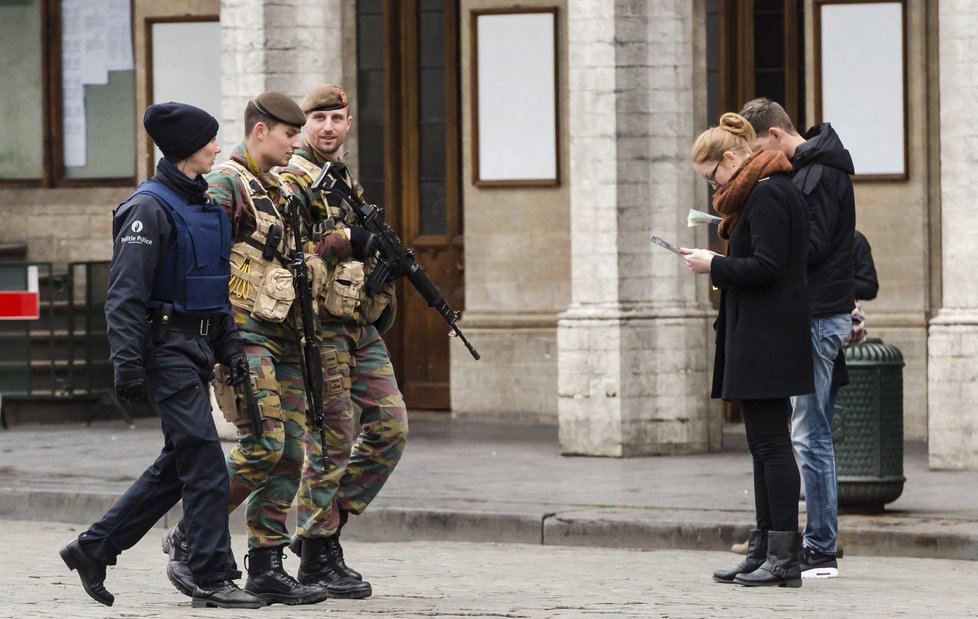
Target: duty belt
point(207, 327)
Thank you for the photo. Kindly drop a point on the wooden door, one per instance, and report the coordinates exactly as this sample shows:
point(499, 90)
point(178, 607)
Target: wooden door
point(409, 114)
point(759, 52)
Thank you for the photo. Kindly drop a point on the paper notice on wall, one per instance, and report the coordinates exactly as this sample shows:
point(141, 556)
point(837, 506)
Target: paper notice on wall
point(95, 67)
point(73, 91)
point(118, 34)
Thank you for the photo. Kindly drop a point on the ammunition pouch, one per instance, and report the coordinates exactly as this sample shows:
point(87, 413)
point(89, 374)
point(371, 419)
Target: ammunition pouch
point(342, 294)
point(275, 295)
point(373, 307)
point(318, 279)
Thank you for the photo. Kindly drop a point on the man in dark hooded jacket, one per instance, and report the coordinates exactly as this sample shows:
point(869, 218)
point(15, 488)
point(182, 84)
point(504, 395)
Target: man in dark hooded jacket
point(821, 167)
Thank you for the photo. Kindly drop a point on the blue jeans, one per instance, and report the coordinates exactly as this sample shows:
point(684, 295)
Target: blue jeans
point(811, 435)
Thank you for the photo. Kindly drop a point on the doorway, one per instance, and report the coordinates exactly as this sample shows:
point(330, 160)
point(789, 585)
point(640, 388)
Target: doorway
point(408, 118)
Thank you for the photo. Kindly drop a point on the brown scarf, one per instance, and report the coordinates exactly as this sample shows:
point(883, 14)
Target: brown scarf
point(730, 200)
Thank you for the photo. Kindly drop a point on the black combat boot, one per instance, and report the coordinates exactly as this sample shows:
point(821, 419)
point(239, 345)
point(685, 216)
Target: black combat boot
point(781, 567)
point(91, 572)
point(756, 554)
point(223, 594)
point(175, 544)
point(272, 584)
point(336, 551)
point(295, 545)
point(319, 566)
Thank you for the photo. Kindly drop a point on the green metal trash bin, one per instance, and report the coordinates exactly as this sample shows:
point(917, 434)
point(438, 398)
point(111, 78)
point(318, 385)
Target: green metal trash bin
point(867, 429)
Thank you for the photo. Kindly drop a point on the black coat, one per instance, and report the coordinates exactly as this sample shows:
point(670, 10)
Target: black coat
point(822, 167)
point(764, 345)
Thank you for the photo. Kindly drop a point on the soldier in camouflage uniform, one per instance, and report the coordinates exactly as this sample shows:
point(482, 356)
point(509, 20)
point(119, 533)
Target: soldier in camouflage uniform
point(264, 470)
point(356, 364)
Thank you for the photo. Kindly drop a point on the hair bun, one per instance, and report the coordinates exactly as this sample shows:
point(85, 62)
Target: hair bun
point(737, 125)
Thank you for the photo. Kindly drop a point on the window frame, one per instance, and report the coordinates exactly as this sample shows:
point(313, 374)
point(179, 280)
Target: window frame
point(53, 167)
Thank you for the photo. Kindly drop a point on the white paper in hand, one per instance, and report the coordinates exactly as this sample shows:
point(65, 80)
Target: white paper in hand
point(697, 218)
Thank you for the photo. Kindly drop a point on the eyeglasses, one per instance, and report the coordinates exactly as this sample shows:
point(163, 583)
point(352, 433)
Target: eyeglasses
point(712, 178)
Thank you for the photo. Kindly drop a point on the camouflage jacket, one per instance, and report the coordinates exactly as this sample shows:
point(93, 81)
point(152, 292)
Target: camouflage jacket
point(228, 188)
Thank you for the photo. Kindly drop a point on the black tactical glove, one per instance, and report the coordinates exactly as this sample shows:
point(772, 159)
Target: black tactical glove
point(364, 243)
point(240, 371)
point(131, 392)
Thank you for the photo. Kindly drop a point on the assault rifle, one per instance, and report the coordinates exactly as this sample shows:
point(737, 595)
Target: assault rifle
point(395, 260)
point(312, 363)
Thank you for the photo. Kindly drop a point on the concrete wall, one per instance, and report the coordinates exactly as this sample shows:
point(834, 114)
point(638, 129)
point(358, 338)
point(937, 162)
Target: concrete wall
point(953, 344)
point(286, 45)
point(633, 349)
point(517, 269)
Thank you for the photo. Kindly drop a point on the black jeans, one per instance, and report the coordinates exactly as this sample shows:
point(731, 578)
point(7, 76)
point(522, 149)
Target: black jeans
point(776, 479)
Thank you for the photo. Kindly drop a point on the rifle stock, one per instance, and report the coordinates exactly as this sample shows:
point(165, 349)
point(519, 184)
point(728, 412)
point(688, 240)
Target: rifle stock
point(395, 259)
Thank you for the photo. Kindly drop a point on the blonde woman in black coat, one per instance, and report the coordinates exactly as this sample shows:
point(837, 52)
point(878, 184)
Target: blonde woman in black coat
point(763, 344)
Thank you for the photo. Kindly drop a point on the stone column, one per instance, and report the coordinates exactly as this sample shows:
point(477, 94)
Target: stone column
point(287, 45)
point(952, 372)
point(632, 346)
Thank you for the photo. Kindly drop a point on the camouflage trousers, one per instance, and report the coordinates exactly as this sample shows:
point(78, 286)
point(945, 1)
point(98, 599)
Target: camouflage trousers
point(266, 470)
point(357, 465)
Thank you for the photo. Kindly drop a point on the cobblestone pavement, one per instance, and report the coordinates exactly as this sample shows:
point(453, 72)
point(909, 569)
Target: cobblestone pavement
point(466, 579)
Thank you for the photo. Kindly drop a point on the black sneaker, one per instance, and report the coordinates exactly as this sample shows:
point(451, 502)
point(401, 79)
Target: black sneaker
point(817, 564)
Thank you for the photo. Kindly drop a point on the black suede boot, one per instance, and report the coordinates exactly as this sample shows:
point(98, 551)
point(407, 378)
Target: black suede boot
point(175, 545)
point(319, 566)
point(270, 583)
point(781, 567)
point(756, 554)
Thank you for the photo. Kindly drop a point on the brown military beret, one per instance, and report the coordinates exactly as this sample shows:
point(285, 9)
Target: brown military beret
point(279, 106)
point(325, 97)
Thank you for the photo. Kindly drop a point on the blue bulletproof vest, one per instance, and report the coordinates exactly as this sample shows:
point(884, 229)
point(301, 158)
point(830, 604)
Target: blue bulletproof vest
point(194, 272)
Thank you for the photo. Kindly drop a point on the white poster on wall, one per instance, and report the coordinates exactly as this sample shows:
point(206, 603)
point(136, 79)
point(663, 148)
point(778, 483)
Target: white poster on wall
point(72, 89)
point(862, 83)
point(187, 68)
point(517, 98)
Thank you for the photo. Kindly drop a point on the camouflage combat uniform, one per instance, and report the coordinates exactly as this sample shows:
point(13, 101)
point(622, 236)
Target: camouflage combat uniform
point(265, 470)
point(357, 370)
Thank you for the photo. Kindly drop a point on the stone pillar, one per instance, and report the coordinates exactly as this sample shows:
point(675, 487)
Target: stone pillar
point(632, 346)
point(287, 45)
point(952, 372)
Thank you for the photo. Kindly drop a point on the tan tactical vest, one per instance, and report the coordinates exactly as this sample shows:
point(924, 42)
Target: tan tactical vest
point(344, 295)
point(262, 287)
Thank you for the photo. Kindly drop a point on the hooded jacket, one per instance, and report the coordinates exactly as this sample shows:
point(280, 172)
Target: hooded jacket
point(822, 167)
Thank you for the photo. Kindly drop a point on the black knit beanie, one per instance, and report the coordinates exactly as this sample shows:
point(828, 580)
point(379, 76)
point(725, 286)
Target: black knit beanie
point(180, 130)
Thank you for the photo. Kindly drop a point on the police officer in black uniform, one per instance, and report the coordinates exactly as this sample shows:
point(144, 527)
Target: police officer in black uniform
point(168, 320)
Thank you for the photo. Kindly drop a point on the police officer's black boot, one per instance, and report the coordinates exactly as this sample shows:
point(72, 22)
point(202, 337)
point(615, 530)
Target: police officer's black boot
point(270, 583)
point(91, 572)
point(223, 594)
point(175, 545)
point(319, 565)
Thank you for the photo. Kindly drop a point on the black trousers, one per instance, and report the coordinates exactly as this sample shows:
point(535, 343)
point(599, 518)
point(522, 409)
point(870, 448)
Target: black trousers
point(777, 482)
point(191, 467)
